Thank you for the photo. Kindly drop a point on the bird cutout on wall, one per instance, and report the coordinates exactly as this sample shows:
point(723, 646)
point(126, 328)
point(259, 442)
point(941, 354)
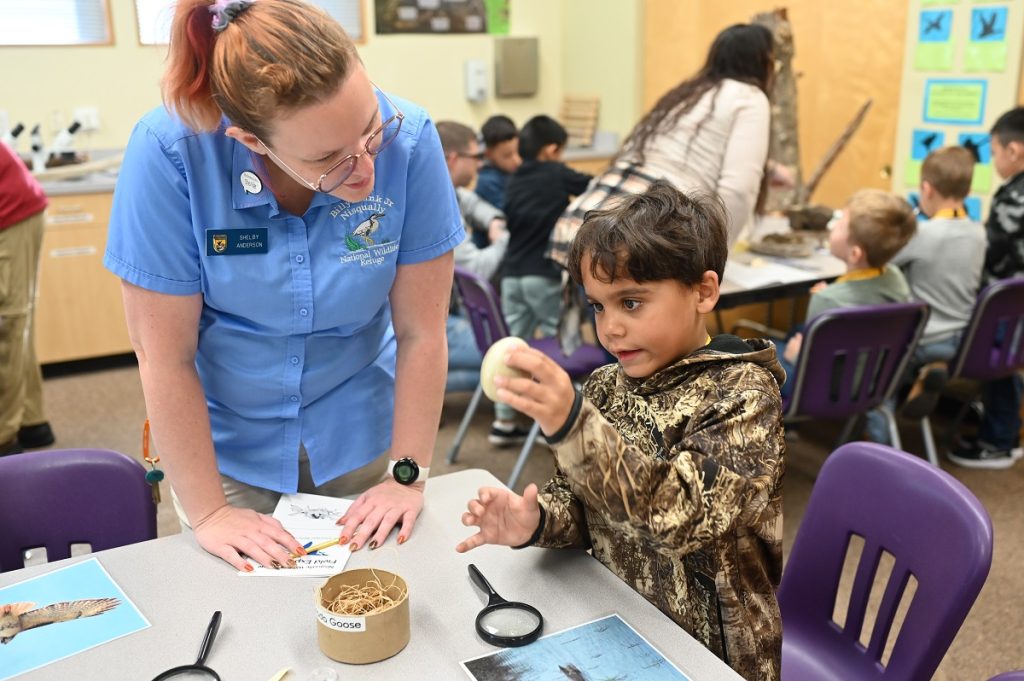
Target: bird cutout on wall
point(933, 24)
point(16, 618)
point(366, 228)
point(974, 146)
point(989, 28)
point(928, 140)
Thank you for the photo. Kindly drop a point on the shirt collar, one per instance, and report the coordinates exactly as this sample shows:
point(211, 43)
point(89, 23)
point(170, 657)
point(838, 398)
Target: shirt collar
point(949, 213)
point(245, 161)
point(858, 275)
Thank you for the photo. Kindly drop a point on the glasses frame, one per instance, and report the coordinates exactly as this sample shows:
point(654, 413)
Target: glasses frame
point(353, 158)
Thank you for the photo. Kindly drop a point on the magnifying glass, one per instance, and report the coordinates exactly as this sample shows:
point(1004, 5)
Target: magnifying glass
point(505, 623)
point(198, 671)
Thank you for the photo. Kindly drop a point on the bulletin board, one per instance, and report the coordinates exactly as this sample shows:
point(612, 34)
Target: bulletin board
point(961, 71)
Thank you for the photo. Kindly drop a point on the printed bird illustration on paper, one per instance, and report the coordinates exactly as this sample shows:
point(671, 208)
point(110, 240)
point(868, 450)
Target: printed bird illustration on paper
point(16, 618)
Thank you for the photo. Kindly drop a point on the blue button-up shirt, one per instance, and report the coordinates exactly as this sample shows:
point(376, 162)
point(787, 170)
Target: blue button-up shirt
point(295, 337)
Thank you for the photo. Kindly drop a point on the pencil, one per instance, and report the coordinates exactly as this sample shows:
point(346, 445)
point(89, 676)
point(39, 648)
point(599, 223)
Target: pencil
point(317, 547)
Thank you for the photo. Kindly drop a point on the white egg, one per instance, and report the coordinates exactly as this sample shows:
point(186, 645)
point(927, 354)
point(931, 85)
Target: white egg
point(494, 364)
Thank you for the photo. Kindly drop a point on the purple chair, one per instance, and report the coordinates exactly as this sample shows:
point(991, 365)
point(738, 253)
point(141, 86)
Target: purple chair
point(934, 529)
point(1009, 676)
point(55, 498)
point(483, 307)
point(851, 360)
point(992, 347)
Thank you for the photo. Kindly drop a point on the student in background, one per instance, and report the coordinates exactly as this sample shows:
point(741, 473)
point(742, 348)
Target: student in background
point(501, 158)
point(874, 226)
point(669, 464)
point(531, 285)
point(942, 265)
point(22, 202)
point(997, 444)
point(462, 153)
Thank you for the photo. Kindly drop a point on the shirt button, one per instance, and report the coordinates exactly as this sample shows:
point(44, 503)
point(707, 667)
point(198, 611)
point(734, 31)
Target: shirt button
point(300, 258)
point(303, 312)
point(295, 398)
point(295, 360)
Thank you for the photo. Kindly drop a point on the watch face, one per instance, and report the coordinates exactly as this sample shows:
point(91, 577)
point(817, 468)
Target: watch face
point(406, 471)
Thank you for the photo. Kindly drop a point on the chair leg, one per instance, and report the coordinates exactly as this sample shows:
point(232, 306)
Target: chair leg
point(894, 430)
point(929, 441)
point(464, 426)
point(523, 454)
point(844, 435)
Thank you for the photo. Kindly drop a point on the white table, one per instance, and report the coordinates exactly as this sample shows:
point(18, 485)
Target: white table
point(269, 623)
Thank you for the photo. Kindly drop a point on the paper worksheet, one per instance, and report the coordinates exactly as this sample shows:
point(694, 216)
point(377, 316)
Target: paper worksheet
point(311, 519)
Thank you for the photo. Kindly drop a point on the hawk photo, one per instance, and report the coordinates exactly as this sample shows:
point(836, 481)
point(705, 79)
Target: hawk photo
point(18, 617)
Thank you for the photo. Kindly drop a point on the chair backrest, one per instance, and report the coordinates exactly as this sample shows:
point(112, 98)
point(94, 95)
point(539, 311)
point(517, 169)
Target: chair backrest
point(55, 498)
point(852, 358)
point(483, 307)
point(1009, 676)
point(934, 529)
point(993, 343)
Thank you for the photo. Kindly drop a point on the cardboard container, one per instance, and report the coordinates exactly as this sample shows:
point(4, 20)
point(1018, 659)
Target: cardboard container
point(368, 638)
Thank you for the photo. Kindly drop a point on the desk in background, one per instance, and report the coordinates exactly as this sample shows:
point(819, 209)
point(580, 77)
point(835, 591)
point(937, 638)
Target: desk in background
point(269, 623)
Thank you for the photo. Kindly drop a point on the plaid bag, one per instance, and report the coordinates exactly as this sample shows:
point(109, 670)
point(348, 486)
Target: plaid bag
point(622, 179)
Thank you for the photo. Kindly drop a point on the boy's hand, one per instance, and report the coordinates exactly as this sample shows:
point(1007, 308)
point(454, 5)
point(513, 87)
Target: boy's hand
point(820, 286)
point(547, 397)
point(503, 517)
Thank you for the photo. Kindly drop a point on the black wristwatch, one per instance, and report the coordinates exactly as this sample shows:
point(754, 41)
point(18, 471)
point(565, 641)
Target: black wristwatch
point(406, 471)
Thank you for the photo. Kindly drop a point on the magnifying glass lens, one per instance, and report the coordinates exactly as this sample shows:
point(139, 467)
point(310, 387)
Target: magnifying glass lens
point(508, 622)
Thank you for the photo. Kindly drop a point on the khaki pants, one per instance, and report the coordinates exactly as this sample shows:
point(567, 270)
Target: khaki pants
point(21, 383)
point(352, 484)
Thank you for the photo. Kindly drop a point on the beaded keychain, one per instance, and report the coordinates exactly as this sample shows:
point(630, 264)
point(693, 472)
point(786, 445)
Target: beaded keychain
point(154, 475)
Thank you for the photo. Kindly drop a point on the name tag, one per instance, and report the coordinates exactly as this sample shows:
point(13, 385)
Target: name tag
point(236, 241)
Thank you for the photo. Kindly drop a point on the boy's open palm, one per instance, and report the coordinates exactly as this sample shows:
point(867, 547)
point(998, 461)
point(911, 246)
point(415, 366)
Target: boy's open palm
point(502, 516)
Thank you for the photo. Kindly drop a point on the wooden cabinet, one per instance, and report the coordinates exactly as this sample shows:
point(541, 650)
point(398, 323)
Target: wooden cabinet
point(591, 166)
point(79, 313)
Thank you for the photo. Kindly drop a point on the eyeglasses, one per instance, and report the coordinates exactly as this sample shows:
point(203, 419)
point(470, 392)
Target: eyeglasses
point(478, 156)
point(335, 176)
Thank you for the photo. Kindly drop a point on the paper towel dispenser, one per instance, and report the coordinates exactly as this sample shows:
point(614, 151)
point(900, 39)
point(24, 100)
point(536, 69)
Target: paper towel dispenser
point(516, 67)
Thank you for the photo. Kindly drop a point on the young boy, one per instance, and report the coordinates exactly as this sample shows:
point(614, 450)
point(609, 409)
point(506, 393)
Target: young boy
point(501, 156)
point(531, 285)
point(669, 465)
point(942, 265)
point(998, 441)
point(874, 226)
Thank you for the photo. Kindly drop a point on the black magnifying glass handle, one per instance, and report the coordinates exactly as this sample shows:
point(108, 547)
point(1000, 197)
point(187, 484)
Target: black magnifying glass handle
point(485, 586)
point(211, 634)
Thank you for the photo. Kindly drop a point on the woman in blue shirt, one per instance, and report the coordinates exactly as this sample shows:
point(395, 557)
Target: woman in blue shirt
point(283, 230)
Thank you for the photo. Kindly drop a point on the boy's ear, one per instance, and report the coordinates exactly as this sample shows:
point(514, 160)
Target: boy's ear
point(856, 254)
point(927, 189)
point(707, 292)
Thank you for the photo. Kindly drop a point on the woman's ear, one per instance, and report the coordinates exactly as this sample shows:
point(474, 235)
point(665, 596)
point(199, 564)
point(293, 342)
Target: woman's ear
point(707, 292)
point(251, 142)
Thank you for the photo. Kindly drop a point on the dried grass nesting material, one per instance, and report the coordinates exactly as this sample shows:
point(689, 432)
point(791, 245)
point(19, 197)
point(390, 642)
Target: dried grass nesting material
point(370, 598)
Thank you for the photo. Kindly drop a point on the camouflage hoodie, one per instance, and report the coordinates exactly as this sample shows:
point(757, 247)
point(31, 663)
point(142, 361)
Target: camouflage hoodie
point(675, 483)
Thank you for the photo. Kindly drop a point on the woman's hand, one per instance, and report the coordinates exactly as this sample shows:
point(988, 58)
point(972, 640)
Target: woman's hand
point(230, 532)
point(503, 517)
point(378, 510)
point(547, 397)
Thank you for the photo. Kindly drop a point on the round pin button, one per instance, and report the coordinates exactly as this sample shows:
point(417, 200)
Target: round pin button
point(251, 182)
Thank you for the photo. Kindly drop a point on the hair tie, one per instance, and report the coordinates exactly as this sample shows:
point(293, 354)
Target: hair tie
point(225, 11)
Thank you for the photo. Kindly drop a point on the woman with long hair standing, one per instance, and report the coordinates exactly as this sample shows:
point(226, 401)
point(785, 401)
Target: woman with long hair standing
point(708, 133)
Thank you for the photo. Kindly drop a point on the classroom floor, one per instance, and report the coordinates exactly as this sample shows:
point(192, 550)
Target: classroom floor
point(104, 407)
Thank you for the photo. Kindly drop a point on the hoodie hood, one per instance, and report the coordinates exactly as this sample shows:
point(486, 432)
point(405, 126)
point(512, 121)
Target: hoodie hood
point(723, 348)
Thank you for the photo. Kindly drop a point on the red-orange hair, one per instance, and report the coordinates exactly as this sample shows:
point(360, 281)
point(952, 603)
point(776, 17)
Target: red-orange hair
point(276, 55)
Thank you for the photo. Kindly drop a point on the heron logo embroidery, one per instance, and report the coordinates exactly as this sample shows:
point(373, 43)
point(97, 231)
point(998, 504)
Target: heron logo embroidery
point(220, 243)
point(362, 237)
